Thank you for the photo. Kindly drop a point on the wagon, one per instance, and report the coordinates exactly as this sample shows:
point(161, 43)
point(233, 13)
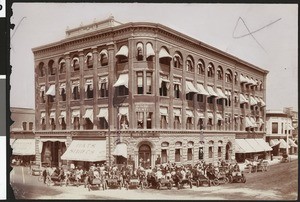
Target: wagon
point(133, 183)
point(113, 183)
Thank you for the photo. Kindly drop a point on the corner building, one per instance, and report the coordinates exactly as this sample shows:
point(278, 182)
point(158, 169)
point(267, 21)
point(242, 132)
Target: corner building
point(144, 93)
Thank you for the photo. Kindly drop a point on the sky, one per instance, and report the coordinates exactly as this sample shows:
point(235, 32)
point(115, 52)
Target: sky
point(265, 35)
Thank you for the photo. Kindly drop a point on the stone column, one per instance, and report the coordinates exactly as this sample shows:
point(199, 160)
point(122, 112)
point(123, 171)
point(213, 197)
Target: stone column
point(82, 92)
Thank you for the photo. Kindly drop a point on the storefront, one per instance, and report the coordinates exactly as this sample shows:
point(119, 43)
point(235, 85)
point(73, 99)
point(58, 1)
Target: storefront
point(23, 151)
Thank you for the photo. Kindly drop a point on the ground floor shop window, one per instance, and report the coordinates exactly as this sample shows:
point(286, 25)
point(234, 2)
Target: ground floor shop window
point(164, 156)
point(210, 152)
point(201, 153)
point(219, 151)
point(189, 154)
point(177, 155)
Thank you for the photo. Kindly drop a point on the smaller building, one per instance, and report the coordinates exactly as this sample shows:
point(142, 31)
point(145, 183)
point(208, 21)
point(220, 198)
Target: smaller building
point(279, 130)
point(22, 138)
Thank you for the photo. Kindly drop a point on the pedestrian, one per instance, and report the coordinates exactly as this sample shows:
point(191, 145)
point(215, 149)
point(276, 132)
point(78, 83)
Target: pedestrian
point(44, 175)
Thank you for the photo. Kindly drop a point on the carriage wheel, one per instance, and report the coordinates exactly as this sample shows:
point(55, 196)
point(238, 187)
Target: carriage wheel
point(226, 180)
point(216, 182)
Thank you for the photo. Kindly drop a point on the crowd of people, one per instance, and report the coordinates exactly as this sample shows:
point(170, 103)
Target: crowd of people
point(151, 176)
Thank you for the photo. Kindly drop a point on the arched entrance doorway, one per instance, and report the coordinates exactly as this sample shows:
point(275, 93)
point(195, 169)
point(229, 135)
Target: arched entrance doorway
point(145, 156)
point(228, 151)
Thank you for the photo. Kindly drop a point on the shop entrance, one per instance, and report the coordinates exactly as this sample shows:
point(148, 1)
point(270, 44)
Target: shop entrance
point(145, 156)
point(228, 151)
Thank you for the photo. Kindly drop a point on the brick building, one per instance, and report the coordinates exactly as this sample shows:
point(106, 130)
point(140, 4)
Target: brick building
point(147, 93)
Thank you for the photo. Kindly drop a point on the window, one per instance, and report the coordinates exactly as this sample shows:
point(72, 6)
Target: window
point(274, 128)
point(201, 123)
point(210, 152)
point(200, 98)
point(51, 98)
point(210, 100)
point(51, 68)
point(122, 91)
point(209, 122)
point(190, 96)
point(210, 71)
point(228, 76)
point(103, 88)
point(140, 83)
point(219, 151)
point(88, 124)
point(164, 156)
point(89, 88)
point(63, 124)
point(176, 91)
point(149, 120)
point(201, 153)
point(76, 123)
point(62, 91)
point(189, 123)
point(140, 120)
point(219, 73)
point(103, 57)
point(42, 94)
point(75, 64)
point(177, 124)
point(24, 125)
point(190, 154)
point(43, 124)
point(89, 60)
point(177, 155)
point(163, 90)
point(163, 122)
point(220, 101)
point(52, 123)
point(76, 95)
point(177, 61)
point(30, 125)
point(41, 70)
point(200, 68)
point(62, 66)
point(103, 123)
point(219, 124)
point(139, 55)
point(235, 78)
point(149, 83)
point(282, 128)
point(189, 65)
point(124, 122)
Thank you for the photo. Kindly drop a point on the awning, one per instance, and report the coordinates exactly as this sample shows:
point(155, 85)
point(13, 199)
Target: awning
point(102, 80)
point(62, 87)
point(87, 56)
point(123, 51)
point(122, 81)
point(274, 142)
point(210, 115)
point(43, 115)
point(53, 140)
point(51, 90)
point(248, 123)
point(123, 111)
point(164, 79)
point(253, 122)
point(257, 100)
point(262, 103)
point(73, 60)
point(89, 82)
point(252, 101)
point(283, 144)
point(86, 150)
point(248, 80)
point(263, 144)
point(292, 143)
point(242, 79)
point(260, 122)
point(201, 89)
point(253, 82)
point(75, 113)
point(211, 91)
point(52, 116)
point(200, 115)
point(177, 112)
point(74, 84)
point(243, 99)
point(149, 50)
point(23, 147)
point(190, 87)
point(120, 150)
point(89, 114)
point(163, 53)
point(254, 145)
point(290, 127)
point(62, 115)
point(163, 111)
point(103, 113)
point(219, 117)
point(220, 93)
point(242, 146)
point(189, 113)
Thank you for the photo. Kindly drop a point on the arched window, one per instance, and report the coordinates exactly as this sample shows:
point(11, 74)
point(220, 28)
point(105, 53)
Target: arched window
point(41, 69)
point(177, 60)
point(189, 64)
point(51, 68)
point(75, 63)
point(103, 57)
point(200, 67)
point(211, 149)
point(89, 60)
point(235, 78)
point(139, 51)
point(178, 152)
point(210, 70)
point(220, 73)
point(62, 66)
point(228, 76)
